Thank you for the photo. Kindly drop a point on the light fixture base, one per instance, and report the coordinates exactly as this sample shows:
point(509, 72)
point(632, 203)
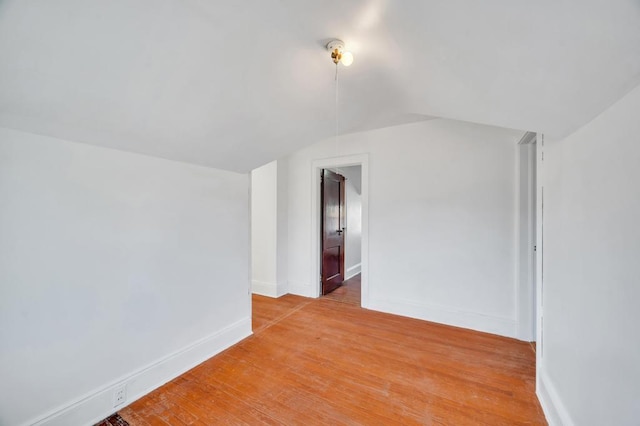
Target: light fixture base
point(335, 44)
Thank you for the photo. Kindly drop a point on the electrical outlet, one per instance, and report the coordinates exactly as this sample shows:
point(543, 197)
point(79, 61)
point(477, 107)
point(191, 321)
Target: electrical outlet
point(119, 395)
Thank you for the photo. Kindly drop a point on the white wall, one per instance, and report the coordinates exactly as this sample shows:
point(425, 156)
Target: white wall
point(264, 228)
point(590, 369)
point(269, 229)
point(282, 231)
point(353, 237)
point(114, 268)
point(442, 221)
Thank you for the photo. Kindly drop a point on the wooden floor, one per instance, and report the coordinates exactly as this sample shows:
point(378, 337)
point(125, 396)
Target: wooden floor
point(348, 292)
point(319, 362)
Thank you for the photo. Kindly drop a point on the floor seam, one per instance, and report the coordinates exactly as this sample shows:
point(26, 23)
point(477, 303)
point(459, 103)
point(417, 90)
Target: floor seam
point(280, 318)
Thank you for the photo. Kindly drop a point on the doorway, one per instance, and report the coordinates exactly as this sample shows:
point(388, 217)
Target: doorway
point(354, 269)
point(341, 234)
point(332, 229)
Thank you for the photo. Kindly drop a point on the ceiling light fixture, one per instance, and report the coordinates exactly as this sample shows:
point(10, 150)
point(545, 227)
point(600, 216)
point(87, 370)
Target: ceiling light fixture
point(338, 54)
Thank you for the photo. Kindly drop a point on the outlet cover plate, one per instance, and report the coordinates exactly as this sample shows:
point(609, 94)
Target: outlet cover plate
point(119, 395)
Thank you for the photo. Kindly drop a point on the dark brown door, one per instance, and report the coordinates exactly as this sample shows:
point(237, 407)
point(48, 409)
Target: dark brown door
point(333, 212)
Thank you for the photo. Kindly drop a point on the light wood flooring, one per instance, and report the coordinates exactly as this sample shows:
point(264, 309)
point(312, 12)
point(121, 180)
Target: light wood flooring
point(321, 362)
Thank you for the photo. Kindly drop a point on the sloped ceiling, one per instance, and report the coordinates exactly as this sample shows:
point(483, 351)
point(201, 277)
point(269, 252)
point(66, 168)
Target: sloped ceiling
point(235, 84)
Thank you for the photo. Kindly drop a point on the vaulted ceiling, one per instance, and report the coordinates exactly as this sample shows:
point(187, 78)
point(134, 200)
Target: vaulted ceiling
point(235, 84)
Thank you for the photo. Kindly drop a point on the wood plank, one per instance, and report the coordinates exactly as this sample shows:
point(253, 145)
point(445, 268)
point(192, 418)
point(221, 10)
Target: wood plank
point(267, 309)
point(318, 361)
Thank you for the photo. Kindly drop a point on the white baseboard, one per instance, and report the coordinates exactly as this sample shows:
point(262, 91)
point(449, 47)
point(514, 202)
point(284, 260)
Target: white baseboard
point(301, 289)
point(268, 289)
point(446, 315)
point(554, 410)
point(525, 332)
point(352, 271)
point(98, 404)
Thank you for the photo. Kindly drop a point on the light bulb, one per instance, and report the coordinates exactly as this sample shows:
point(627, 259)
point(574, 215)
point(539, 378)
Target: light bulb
point(347, 58)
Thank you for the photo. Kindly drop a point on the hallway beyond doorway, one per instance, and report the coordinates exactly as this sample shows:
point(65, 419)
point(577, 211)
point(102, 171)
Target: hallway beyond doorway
point(348, 292)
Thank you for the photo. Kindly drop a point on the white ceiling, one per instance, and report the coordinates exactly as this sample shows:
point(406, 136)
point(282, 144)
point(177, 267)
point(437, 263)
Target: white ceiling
point(236, 84)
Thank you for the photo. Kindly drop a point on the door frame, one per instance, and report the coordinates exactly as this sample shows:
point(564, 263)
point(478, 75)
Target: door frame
point(525, 295)
point(316, 217)
point(539, 274)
